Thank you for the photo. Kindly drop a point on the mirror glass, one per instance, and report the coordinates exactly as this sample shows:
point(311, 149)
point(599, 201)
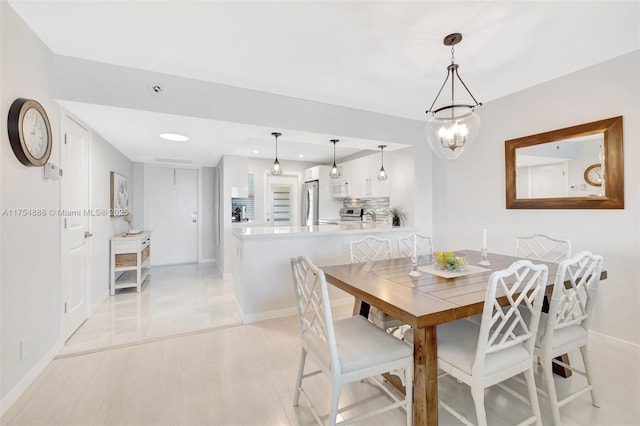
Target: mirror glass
point(557, 169)
point(579, 167)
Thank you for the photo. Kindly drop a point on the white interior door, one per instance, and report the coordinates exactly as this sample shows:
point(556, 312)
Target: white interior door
point(550, 181)
point(75, 228)
point(282, 200)
point(173, 215)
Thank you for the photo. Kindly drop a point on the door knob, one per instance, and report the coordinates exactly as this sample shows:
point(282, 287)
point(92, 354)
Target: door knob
point(88, 234)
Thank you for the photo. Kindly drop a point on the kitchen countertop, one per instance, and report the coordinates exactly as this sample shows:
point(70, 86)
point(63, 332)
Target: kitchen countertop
point(323, 230)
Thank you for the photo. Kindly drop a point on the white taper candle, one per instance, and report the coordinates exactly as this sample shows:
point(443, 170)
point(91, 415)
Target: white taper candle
point(484, 238)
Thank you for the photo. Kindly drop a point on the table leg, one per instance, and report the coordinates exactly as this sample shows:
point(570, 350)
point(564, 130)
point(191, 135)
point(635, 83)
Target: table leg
point(361, 308)
point(425, 383)
point(560, 370)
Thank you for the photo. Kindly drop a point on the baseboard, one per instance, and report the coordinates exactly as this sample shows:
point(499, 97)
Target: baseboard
point(95, 306)
point(224, 276)
point(278, 313)
point(263, 316)
point(206, 261)
point(620, 342)
point(239, 309)
point(28, 379)
point(345, 301)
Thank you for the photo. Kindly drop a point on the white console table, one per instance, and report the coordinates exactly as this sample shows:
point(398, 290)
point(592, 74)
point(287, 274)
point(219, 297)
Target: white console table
point(130, 260)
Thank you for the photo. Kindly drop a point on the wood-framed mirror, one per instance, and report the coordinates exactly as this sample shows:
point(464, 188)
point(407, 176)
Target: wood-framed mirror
point(578, 167)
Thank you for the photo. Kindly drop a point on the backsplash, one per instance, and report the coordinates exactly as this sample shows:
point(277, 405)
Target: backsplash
point(377, 206)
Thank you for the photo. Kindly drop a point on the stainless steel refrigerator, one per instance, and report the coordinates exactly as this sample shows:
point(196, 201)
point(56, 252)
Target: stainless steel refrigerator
point(310, 200)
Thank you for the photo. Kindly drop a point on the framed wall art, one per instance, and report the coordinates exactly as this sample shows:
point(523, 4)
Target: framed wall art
point(119, 195)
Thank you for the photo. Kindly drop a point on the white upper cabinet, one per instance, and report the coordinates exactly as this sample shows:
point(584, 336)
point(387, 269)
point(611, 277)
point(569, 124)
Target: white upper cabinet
point(363, 173)
point(377, 188)
point(238, 175)
point(313, 173)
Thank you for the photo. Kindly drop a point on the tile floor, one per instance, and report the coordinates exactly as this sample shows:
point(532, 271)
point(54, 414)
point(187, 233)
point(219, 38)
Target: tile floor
point(174, 300)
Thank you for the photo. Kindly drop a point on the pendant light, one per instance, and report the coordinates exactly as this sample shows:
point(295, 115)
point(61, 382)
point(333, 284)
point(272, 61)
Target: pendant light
point(335, 172)
point(276, 170)
point(382, 174)
point(452, 128)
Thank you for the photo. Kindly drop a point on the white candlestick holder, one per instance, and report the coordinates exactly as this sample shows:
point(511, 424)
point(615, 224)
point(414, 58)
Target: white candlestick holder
point(414, 267)
point(484, 258)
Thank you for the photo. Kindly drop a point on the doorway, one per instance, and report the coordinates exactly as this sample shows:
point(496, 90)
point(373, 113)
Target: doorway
point(550, 180)
point(76, 249)
point(173, 214)
point(282, 200)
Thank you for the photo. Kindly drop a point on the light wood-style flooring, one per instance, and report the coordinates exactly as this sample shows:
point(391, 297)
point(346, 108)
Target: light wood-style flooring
point(244, 375)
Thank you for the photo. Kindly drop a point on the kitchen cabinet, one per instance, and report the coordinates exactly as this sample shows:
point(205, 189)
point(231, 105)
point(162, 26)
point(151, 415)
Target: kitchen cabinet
point(238, 176)
point(363, 174)
point(314, 173)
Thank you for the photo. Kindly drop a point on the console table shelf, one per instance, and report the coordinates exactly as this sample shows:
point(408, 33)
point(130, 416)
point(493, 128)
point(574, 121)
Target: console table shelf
point(130, 259)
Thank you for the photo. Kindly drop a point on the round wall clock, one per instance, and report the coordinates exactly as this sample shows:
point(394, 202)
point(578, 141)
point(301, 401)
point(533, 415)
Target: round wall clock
point(29, 132)
point(593, 175)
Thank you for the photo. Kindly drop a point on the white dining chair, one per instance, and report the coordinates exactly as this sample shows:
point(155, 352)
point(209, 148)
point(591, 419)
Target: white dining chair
point(369, 249)
point(565, 327)
point(422, 244)
point(347, 350)
point(543, 247)
point(501, 346)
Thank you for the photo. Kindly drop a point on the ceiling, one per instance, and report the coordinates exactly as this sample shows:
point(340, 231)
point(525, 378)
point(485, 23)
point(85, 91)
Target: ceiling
point(387, 57)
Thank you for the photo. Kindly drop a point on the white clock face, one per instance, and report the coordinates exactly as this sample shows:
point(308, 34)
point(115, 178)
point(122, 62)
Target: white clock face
point(595, 175)
point(34, 130)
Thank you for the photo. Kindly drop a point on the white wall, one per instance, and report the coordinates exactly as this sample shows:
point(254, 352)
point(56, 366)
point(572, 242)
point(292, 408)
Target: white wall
point(136, 202)
point(30, 249)
point(207, 213)
point(471, 193)
point(104, 160)
point(30, 306)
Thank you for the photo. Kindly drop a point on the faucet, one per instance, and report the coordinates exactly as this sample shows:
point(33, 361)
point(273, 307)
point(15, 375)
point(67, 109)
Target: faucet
point(371, 216)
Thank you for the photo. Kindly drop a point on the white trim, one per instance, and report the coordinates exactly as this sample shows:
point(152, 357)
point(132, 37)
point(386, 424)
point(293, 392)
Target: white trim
point(296, 219)
point(286, 312)
point(17, 391)
point(211, 260)
point(615, 340)
point(93, 308)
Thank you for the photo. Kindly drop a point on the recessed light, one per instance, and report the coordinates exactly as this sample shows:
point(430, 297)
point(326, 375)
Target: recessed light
point(175, 137)
point(300, 155)
point(255, 151)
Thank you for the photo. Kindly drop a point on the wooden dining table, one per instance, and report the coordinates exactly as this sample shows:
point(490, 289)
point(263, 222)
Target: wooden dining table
point(423, 303)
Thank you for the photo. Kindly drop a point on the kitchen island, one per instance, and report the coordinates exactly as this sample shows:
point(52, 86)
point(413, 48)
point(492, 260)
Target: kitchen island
point(263, 286)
